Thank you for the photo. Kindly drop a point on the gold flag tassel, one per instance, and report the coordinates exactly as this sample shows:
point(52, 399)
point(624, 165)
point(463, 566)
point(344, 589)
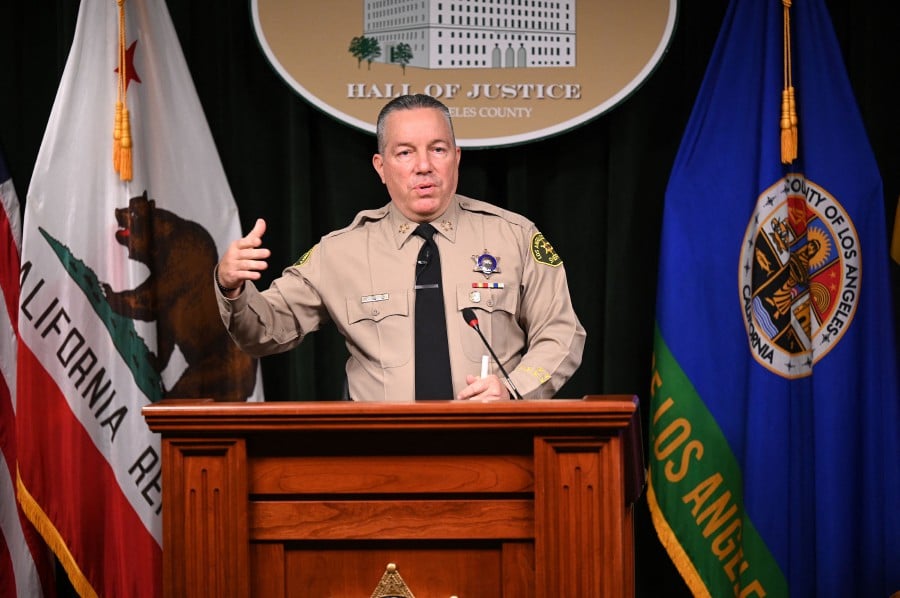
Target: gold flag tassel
point(789, 135)
point(117, 135)
point(122, 128)
point(125, 147)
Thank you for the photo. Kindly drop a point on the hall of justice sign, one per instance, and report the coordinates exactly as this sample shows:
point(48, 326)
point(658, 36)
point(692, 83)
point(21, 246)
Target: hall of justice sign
point(511, 71)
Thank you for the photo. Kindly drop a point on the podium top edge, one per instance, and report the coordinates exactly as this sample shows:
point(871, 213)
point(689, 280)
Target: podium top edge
point(590, 411)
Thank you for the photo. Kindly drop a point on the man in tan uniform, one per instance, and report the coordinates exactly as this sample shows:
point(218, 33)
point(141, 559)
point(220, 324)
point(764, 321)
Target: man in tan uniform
point(362, 278)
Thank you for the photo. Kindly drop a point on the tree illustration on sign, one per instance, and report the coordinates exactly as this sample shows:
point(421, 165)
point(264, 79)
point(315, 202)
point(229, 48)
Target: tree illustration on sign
point(365, 48)
point(401, 54)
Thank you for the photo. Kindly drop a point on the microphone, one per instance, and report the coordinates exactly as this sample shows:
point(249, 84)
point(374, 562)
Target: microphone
point(471, 319)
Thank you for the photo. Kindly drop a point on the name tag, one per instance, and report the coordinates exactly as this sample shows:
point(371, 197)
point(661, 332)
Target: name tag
point(374, 298)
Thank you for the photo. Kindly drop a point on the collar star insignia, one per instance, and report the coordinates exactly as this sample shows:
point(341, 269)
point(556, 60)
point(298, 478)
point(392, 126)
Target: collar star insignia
point(446, 226)
point(403, 228)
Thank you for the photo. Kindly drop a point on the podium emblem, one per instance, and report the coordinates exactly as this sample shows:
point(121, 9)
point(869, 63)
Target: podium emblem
point(392, 585)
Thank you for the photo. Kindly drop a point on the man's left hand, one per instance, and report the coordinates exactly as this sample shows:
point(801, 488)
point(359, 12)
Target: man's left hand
point(483, 389)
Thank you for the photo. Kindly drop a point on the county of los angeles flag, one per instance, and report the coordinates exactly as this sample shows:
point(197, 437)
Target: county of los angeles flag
point(25, 563)
point(117, 306)
point(775, 406)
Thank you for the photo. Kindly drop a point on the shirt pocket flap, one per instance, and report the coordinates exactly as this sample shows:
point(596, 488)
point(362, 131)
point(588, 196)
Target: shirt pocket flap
point(487, 299)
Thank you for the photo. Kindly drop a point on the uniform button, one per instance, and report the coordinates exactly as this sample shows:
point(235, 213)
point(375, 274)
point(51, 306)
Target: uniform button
point(490, 303)
point(374, 312)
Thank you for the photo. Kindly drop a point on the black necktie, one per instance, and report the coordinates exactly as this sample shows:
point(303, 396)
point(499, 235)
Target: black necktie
point(432, 354)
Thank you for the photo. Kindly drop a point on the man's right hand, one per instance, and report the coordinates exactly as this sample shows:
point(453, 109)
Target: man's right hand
point(243, 260)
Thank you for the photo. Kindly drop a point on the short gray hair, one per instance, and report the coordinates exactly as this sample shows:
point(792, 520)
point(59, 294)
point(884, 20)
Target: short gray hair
point(409, 102)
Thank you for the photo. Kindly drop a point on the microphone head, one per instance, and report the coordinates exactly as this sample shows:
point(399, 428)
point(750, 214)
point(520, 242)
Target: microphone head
point(469, 316)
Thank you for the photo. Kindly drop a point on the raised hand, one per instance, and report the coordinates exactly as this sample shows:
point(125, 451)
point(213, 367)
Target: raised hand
point(244, 259)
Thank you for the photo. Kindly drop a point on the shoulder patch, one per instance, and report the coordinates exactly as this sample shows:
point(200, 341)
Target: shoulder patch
point(542, 251)
point(305, 257)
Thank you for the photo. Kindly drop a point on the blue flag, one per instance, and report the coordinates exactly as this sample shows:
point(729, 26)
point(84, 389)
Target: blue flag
point(775, 410)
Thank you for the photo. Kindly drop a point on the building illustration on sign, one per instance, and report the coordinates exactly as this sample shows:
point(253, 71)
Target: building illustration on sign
point(468, 34)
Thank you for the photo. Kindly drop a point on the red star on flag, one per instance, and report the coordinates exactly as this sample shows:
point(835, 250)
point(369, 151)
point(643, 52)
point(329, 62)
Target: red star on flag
point(130, 73)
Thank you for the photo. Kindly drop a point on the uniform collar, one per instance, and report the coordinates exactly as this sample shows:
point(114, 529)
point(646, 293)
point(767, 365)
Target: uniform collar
point(446, 224)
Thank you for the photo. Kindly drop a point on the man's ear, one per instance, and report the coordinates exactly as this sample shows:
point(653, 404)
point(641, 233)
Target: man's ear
point(378, 163)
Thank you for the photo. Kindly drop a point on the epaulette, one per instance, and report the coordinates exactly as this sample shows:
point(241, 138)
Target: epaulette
point(360, 219)
point(482, 207)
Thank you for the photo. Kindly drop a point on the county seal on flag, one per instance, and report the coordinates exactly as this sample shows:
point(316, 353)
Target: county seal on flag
point(799, 276)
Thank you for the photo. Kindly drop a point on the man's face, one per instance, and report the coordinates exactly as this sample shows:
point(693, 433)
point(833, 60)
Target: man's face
point(420, 163)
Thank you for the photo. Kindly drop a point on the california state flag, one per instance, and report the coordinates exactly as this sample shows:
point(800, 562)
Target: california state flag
point(127, 213)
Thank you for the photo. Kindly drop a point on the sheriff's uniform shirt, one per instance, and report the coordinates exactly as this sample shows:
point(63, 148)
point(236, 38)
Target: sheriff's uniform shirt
point(361, 278)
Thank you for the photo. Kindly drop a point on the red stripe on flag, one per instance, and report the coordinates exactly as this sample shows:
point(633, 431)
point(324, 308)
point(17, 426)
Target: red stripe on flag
point(26, 564)
point(76, 488)
point(36, 558)
point(7, 428)
point(9, 267)
point(7, 572)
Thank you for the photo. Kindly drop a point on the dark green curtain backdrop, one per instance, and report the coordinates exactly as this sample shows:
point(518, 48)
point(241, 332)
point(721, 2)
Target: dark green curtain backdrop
point(596, 191)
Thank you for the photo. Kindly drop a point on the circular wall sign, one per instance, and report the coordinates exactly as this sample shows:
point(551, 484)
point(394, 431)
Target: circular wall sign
point(511, 71)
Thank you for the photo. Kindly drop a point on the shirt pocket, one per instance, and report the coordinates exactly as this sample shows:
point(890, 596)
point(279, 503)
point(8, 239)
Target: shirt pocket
point(380, 328)
point(496, 311)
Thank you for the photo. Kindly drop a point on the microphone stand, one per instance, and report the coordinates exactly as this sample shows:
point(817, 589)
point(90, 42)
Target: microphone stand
point(472, 321)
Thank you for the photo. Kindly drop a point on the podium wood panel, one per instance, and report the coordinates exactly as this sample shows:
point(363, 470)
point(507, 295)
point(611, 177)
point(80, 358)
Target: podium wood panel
point(514, 499)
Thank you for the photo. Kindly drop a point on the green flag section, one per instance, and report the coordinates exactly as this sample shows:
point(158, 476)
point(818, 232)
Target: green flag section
point(774, 418)
point(701, 518)
point(122, 332)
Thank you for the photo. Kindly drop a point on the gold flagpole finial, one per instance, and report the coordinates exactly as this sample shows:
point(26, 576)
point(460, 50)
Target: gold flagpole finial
point(789, 135)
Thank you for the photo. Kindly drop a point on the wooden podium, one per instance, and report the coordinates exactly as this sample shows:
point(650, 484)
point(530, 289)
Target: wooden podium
point(315, 499)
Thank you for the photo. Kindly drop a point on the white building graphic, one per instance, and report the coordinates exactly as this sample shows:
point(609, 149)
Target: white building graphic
point(459, 34)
